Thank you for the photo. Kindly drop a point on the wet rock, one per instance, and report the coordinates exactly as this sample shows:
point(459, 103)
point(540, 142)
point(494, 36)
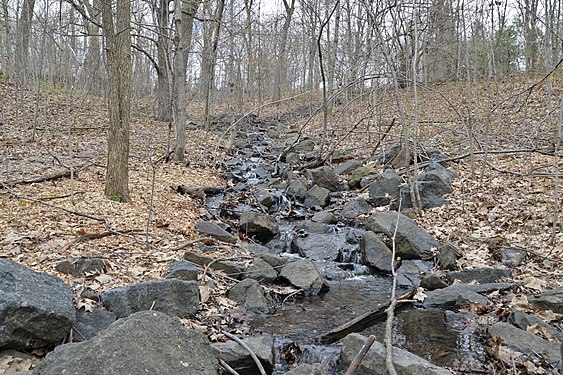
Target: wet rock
point(358, 174)
point(91, 323)
point(315, 246)
point(481, 275)
point(240, 359)
point(256, 249)
point(36, 309)
point(412, 242)
point(511, 257)
point(525, 342)
point(347, 167)
point(260, 226)
point(355, 208)
point(325, 178)
point(461, 294)
point(82, 266)
point(307, 369)
point(522, 320)
point(549, 300)
point(183, 270)
point(433, 281)
point(325, 217)
point(249, 293)
point(316, 196)
point(447, 256)
point(274, 260)
point(215, 231)
point(303, 274)
point(231, 269)
point(352, 237)
point(373, 363)
point(147, 342)
point(173, 297)
point(411, 272)
point(384, 188)
point(261, 271)
point(375, 253)
point(297, 189)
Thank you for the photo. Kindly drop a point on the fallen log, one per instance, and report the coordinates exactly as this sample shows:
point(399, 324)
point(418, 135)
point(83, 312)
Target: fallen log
point(43, 178)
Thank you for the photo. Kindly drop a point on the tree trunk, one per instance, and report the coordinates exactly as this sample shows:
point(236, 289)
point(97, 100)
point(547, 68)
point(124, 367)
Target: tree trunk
point(24, 34)
point(280, 64)
point(118, 42)
point(212, 59)
point(163, 92)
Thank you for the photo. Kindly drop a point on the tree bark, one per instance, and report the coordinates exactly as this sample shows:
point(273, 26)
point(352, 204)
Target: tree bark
point(280, 63)
point(24, 34)
point(163, 94)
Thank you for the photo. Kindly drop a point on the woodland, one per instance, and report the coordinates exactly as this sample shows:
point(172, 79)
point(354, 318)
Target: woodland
point(109, 108)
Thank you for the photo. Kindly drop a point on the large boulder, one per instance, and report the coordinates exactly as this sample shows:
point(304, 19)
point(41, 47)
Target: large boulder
point(482, 275)
point(171, 296)
point(231, 269)
point(147, 342)
point(262, 271)
point(303, 274)
point(347, 167)
point(549, 300)
point(412, 242)
point(326, 178)
point(249, 293)
point(215, 231)
point(317, 196)
point(236, 356)
point(384, 188)
point(463, 294)
point(375, 252)
point(260, 226)
point(433, 183)
point(183, 270)
point(373, 363)
point(35, 308)
point(315, 246)
point(355, 208)
point(90, 323)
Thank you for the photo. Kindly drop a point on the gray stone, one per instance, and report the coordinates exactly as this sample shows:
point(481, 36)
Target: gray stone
point(303, 274)
point(325, 217)
point(260, 226)
point(311, 227)
point(522, 320)
point(411, 272)
point(525, 342)
point(261, 271)
point(274, 260)
point(447, 256)
point(412, 242)
point(36, 309)
point(315, 246)
point(82, 266)
point(240, 359)
point(249, 293)
point(355, 178)
point(91, 323)
point(265, 199)
point(385, 188)
point(307, 369)
point(326, 178)
point(147, 342)
point(215, 231)
point(172, 296)
point(316, 196)
point(305, 145)
point(183, 270)
point(375, 253)
point(292, 158)
point(373, 363)
point(231, 269)
point(460, 294)
point(297, 189)
point(355, 208)
point(347, 167)
point(433, 281)
point(511, 257)
point(549, 300)
point(432, 185)
point(481, 275)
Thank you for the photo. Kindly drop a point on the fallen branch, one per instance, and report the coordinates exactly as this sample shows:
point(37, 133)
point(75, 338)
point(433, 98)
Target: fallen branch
point(252, 354)
point(228, 368)
point(43, 178)
point(360, 356)
point(95, 236)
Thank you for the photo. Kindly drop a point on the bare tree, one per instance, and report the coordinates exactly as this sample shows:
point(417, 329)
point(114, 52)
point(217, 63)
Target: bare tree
point(280, 61)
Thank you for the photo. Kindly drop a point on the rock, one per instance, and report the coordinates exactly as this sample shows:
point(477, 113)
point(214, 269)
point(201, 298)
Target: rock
point(274, 260)
point(525, 342)
point(311, 227)
point(231, 269)
point(384, 188)
point(447, 256)
point(316, 196)
point(347, 167)
point(411, 272)
point(91, 323)
point(215, 231)
point(296, 189)
point(292, 158)
point(325, 217)
point(265, 199)
point(481, 275)
point(315, 246)
point(147, 342)
point(522, 320)
point(373, 363)
point(461, 294)
point(549, 300)
point(305, 145)
point(249, 293)
point(375, 253)
point(239, 358)
point(82, 266)
point(355, 178)
point(325, 178)
point(256, 249)
point(412, 242)
point(172, 296)
point(510, 257)
point(432, 185)
point(433, 281)
point(261, 271)
point(183, 270)
point(36, 309)
point(389, 153)
point(307, 369)
point(355, 208)
point(303, 274)
point(260, 226)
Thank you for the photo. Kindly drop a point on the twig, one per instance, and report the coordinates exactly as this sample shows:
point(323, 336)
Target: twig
point(360, 356)
point(189, 243)
point(226, 366)
point(62, 196)
point(95, 236)
point(252, 354)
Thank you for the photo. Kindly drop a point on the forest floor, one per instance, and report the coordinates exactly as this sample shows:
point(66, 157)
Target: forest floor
point(499, 197)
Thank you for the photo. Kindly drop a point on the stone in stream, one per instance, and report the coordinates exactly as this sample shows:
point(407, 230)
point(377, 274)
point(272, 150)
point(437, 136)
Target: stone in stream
point(355, 178)
point(307, 369)
point(147, 342)
point(462, 294)
point(374, 253)
point(316, 196)
point(347, 167)
point(549, 300)
point(260, 226)
point(412, 242)
point(384, 188)
point(249, 293)
point(325, 217)
point(315, 246)
point(215, 231)
point(325, 178)
point(171, 296)
point(312, 227)
point(236, 356)
point(373, 363)
point(481, 275)
point(183, 270)
point(274, 260)
point(261, 271)
point(36, 309)
point(231, 269)
point(303, 274)
point(355, 208)
point(411, 272)
point(91, 323)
